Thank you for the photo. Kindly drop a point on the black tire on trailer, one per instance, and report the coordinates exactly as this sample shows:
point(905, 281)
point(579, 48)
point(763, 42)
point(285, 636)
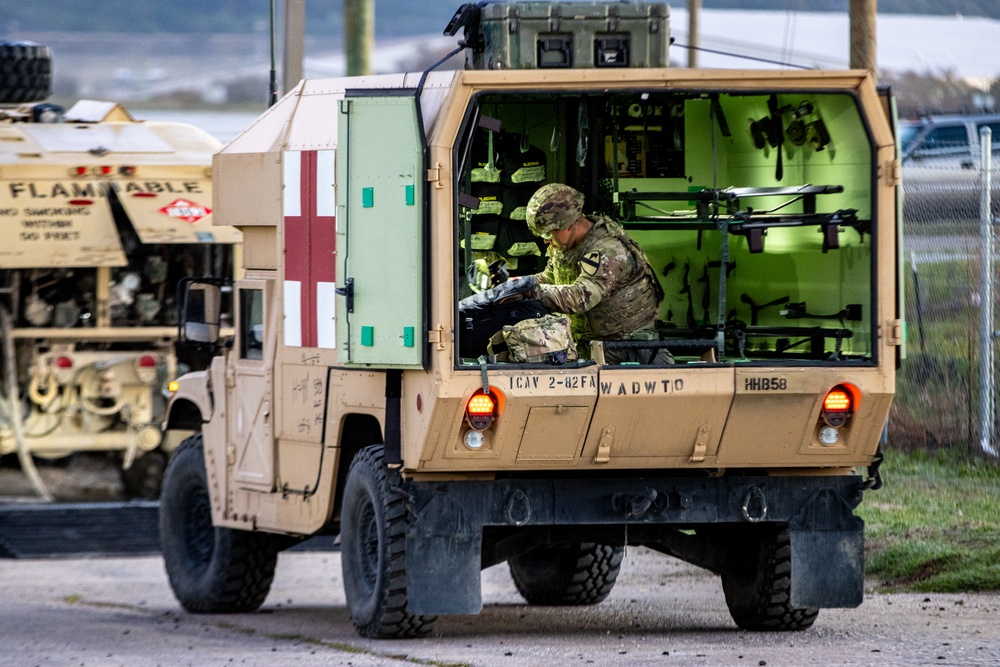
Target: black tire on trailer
point(144, 478)
point(577, 574)
point(373, 551)
point(211, 570)
point(758, 593)
point(25, 72)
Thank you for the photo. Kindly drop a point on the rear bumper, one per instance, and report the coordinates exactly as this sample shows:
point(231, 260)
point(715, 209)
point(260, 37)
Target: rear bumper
point(617, 501)
point(445, 536)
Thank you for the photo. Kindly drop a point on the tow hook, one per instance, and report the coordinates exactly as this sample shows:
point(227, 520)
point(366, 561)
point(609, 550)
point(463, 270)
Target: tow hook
point(634, 505)
point(754, 505)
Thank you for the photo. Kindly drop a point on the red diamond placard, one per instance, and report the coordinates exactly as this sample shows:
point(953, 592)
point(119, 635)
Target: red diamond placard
point(185, 210)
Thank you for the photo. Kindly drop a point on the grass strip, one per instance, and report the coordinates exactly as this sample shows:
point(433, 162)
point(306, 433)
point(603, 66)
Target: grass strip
point(935, 524)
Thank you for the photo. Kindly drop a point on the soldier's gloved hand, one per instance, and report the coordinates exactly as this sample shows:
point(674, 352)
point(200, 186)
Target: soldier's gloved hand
point(522, 287)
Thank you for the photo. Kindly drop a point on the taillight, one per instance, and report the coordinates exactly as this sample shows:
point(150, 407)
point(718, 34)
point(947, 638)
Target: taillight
point(147, 361)
point(481, 410)
point(64, 362)
point(838, 405)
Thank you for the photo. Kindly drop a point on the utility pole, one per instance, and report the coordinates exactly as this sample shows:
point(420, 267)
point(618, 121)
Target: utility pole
point(294, 44)
point(359, 35)
point(694, 31)
point(863, 13)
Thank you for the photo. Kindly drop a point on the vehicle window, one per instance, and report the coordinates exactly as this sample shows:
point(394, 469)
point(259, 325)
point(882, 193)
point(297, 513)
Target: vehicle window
point(946, 137)
point(907, 131)
point(251, 324)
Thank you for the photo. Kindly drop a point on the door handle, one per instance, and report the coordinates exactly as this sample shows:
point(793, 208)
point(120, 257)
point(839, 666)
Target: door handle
point(348, 291)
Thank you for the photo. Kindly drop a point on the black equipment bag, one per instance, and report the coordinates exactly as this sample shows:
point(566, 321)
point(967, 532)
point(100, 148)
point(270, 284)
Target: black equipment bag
point(482, 315)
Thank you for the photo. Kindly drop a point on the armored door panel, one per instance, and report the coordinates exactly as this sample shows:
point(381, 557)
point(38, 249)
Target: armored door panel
point(251, 422)
point(380, 163)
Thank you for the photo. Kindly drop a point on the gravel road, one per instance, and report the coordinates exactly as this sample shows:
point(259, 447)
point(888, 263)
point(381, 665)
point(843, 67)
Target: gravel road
point(108, 612)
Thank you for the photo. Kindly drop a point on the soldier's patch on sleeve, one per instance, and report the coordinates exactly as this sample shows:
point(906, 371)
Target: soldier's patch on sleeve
point(591, 263)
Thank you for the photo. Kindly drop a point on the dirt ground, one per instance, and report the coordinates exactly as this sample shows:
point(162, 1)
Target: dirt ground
point(120, 611)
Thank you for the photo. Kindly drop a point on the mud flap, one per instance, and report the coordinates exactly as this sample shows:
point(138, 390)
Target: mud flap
point(443, 561)
point(828, 554)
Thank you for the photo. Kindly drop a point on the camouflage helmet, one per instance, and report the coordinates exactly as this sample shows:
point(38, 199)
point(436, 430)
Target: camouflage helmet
point(553, 207)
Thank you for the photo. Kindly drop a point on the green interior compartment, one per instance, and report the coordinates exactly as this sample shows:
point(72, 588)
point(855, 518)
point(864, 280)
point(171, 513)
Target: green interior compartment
point(706, 160)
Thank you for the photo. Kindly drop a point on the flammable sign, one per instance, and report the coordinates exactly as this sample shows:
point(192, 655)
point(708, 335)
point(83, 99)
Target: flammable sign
point(185, 210)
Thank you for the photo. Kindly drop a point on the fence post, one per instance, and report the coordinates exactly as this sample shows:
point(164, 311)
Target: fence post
point(986, 329)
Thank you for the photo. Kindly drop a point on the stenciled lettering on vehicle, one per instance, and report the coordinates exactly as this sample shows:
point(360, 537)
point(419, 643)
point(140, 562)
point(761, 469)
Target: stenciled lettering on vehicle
point(553, 381)
point(642, 387)
point(776, 383)
point(57, 189)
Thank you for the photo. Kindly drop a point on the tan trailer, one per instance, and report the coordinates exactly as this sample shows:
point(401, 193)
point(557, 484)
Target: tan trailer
point(357, 398)
point(100, 217)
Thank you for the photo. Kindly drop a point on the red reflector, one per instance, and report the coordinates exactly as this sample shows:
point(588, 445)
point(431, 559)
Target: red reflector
point(481, 405)
point(149, 195)
point(80, 171)
point(64, 362)
point(837, 400)
point(105, 170)
point(81, 202)
point(146, 361)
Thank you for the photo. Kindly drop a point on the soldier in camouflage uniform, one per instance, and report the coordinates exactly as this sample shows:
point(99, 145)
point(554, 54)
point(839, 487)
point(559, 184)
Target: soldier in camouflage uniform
point(596, 273)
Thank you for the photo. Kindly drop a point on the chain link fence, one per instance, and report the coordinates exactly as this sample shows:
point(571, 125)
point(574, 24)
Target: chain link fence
point(945, 389)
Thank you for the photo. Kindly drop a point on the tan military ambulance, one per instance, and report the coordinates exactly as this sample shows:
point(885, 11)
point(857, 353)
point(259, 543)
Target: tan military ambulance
point(358, 397)
point(100, 217)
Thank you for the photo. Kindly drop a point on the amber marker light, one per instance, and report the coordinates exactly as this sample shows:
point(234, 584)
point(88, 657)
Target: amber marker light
point(173, 386)
point(837, 400)
point(482, 409)
point(481, 405)
point(838, 405)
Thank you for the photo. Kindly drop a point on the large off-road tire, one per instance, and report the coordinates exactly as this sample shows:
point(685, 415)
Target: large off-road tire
point(758, 592)
point(373, 551)
point(567, 575)
point(25, 72)
point(211, 570)
point(144, 478)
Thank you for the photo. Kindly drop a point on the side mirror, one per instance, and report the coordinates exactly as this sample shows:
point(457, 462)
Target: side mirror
point(202, 306)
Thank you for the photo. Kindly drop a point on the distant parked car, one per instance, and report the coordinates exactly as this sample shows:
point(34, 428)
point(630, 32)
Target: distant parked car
point(941, 157)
